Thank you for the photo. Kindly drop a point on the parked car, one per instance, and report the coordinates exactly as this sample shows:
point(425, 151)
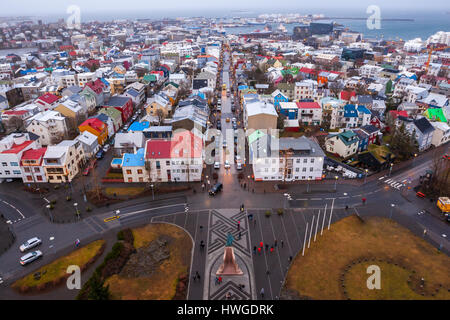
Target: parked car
point(216, 189)
point(227, 164)
point(227, 120)
point(106, 147)
point(100, 154)
point(86, 171)
point(224, 143)
point(217, 165)
point(31, 243)
point(30, 257)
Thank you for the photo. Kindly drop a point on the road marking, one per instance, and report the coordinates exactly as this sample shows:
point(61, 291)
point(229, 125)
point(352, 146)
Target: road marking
point(301, 199)
point(14, 208)
point(265, 258)
point(316, 199)
point(111, 218)
point(150, 209)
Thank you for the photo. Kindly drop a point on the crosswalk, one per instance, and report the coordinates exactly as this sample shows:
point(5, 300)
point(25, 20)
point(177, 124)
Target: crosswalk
point(395, 183)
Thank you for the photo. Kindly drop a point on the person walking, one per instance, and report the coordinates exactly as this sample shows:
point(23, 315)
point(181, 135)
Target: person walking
point(282, 243)
point(275, 243)
point(202, 245)
point(254, 250)
point(267, 247)
point(259, 250)
point(198, 275)
point(262, 293)
point(271, 249)
point(238, 225)
point(290, 259)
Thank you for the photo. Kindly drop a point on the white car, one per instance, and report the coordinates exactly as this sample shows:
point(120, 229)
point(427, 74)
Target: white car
point(227, 164)
point(217, 165)
point(31, 243)
point(224, 144)
point(106, 148)
point(30, 257)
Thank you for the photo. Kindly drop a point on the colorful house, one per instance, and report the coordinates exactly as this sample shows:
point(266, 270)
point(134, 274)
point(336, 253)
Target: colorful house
point(96, 127)
point(123, 104)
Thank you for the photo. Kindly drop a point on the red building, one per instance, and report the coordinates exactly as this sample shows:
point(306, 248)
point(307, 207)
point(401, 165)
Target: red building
point(123, 104)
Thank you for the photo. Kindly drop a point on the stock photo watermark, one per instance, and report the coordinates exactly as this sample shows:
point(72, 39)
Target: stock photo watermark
point(74, 280)
point(74, 19)
point(374, 280)
point(374, 20)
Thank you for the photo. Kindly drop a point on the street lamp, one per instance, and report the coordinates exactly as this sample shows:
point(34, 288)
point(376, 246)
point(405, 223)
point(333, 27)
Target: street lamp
point(153, 193)
point(117, 214)
point(76, 209)
point(392, 207)
point(390, 169)
point(335, 183)
point(49, 212)
point(307, 186)
point(414, 159)
point(365, 176)
point(52, 246)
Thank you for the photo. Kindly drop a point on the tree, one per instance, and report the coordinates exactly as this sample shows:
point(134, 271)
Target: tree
point(280, 121)
point(388, 87)
point(335, 88)
point(403, 144)
point(160, 115)
point(97, 290)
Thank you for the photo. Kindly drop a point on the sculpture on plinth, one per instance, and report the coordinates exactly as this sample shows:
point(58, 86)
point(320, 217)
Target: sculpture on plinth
point(229, 266)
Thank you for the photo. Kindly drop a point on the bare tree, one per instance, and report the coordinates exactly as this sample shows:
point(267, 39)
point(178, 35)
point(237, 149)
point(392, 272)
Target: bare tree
point(160, 115)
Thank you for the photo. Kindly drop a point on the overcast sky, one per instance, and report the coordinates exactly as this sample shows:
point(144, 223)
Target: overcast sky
point(41, 7)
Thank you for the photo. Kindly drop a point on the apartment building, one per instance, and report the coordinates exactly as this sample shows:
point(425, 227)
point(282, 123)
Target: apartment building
point(63, 161)
point(50, 126)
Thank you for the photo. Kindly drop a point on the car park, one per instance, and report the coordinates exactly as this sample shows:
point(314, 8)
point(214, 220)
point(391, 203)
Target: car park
point(30, 257)
point(216, 189)
point(30, 243)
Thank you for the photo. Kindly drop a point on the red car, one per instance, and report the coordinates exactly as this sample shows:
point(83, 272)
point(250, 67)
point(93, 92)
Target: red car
point(86, 171)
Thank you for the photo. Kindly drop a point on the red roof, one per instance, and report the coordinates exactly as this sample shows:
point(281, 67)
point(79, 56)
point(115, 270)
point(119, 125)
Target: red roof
point(48, 98)
point(16, 148)
point(96, 86)
point(395, 113)
point(94, 123)
point(307, 70)
point(16, 113)
point(346, 95)
point(33, 154)
point(308, 105)
point(158, 149)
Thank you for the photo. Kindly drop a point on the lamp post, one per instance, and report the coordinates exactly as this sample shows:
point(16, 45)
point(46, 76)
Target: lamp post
point(414, 159)
point(76, 209)
point(335, 183)
point(117, 214)
point(390, 169)
point(392, 207)
point(307, 186)
point(49, 212)
point(365, 176)
point(153, 193)
point(52, 245)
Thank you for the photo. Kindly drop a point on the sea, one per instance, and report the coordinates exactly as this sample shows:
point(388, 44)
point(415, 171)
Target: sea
point(425, 22)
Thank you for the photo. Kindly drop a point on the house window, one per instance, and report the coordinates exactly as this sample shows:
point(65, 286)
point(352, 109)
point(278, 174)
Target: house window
point(37, 170)
point(14, 164)
point(29, 178)
point(4, 164)
point(167, 163)
point(141, 179)
point(130, 179)
point(139, 171)
point(39, 178)
point(128, 171)
point(27, 169)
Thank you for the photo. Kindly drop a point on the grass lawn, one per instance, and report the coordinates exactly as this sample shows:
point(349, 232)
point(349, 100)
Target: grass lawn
point(317, 274)
point(380, 152)
point(56, 270)
point(387, 138)
point(114, 175)
point(161, 285)
point(125, 191)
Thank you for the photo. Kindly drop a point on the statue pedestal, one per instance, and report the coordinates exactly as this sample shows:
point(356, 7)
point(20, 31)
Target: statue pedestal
point(229, 266)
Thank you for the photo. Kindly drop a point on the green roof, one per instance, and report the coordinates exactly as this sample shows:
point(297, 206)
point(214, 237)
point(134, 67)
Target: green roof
point(435, 114)
point(149, 78)
point(255, 136)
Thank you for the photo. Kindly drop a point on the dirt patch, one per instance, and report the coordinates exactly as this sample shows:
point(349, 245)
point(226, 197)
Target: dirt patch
point(147, 259)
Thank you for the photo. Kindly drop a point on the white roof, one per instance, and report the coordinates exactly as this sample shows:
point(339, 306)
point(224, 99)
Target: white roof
point(259, 107)
point(87, 138)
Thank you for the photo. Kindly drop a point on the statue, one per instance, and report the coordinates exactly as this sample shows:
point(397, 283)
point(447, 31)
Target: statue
point(229, 266)
point(230, 239)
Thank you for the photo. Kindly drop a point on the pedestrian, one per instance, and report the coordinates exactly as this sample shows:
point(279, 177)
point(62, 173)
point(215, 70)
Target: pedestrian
point(271, 249)
point(262, 293)
point(282, 243)
point(261, 244)
point(220, 280)
point(267, 272)
point(202, 245)
point(228, 295)
point(216, 280)
point(346, 207)
point(254, 250)
point(201, 227)
point(267, 247)
point(275, 243)
point(198, 275)
point(195, 277)
point(77, 243)
point(238, 225)
point(240, 235)
point(290, 259)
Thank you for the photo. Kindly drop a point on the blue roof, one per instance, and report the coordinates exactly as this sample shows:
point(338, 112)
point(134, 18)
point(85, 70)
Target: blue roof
point(364, 110)
point(134, 160)
point(242, 87)
point(132, 92)
point(350, 111)
point(139, 126)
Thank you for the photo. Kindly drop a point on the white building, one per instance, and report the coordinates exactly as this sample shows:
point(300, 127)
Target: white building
point(49, 125)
